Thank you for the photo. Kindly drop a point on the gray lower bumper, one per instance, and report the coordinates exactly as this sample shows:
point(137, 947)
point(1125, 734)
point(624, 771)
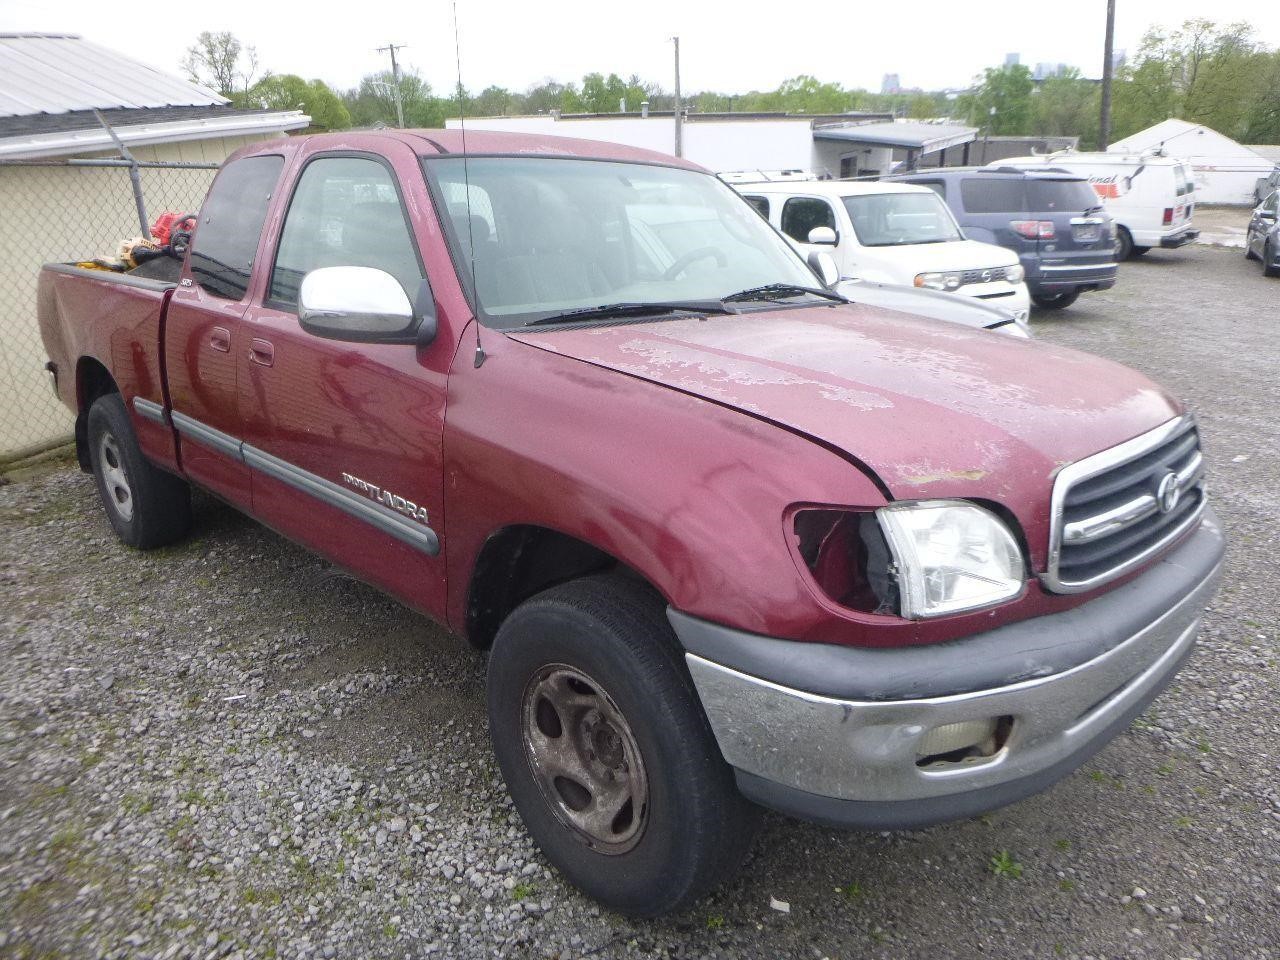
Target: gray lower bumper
point(853, 758)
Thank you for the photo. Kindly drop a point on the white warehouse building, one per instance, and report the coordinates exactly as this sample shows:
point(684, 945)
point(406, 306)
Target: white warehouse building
point(829, 145)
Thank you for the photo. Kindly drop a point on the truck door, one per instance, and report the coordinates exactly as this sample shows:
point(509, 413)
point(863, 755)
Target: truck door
point(204, 334)
point(344, 436)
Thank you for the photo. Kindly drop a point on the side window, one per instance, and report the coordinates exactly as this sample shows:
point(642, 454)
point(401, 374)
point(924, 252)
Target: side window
point(993, 195)
point(937, 186)
point(802, 214)
point(760, 203)
point(1273, 202)
point(231, 224)
point(345, 212)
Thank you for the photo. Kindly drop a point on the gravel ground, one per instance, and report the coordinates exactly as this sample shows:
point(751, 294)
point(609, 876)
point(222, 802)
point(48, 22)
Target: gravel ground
point(225, 749)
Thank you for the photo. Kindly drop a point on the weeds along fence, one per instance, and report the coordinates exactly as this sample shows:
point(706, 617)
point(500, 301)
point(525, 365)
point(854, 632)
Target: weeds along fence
point(64, 211)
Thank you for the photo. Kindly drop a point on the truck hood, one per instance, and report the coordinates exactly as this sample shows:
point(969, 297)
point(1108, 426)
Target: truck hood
point(934, 409)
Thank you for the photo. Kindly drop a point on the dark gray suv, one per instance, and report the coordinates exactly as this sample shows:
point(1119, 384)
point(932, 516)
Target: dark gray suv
point(1052, 219)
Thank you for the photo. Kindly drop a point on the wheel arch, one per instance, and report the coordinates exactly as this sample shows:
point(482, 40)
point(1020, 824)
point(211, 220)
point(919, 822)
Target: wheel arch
point(520, 560)
point(93, 380)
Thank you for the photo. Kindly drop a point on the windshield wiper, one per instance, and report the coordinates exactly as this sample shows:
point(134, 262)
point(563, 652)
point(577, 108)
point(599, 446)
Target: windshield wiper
point(606, 311)
point(780, 291)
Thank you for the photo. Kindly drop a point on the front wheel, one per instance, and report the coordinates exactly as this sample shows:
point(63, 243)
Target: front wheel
point(1056, 301)
point(1269, 268)
point(146, 506)
point(606, 751)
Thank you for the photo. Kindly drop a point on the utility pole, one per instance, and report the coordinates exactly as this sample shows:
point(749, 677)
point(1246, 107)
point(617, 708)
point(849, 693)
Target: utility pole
point(1104, 128)
point(679, 107)
point(395, 79)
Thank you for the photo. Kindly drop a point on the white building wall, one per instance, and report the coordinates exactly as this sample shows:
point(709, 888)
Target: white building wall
point(718, 145)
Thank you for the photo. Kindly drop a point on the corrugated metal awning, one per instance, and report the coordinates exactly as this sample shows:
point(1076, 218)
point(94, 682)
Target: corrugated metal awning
point(925, 137)
point(60, 72)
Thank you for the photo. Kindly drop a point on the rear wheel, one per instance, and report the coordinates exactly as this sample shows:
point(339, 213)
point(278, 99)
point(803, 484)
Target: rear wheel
point(1056, 301)
point(606, 751)
point(1124, 244)
point(146, 506)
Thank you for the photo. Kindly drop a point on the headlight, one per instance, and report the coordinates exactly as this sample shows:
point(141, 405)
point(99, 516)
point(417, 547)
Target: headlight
point(950, 556)
point(939, 281)
point(1015, 273)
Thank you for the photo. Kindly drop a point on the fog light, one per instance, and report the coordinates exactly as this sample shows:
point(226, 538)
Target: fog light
point(951, 737)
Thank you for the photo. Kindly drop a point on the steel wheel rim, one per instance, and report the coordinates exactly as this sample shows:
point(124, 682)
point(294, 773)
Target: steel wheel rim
point(115, 482)
point(584, 758)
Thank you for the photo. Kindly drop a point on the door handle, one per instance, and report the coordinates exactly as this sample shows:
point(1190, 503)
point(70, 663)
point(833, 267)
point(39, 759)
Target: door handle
point(220, 339)
point(262, 351)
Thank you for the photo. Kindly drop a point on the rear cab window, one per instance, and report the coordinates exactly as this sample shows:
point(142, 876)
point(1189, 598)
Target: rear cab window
point(226, 238)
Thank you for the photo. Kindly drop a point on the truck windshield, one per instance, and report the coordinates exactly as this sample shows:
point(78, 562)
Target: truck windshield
point(894, 219)
point(546, 236)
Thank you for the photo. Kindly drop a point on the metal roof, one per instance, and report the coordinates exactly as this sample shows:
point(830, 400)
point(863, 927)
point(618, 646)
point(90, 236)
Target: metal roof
point(60, 72)
point(925, 137)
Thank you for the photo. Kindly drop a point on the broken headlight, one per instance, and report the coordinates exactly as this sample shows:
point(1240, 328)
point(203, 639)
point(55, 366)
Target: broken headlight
point(950, 556)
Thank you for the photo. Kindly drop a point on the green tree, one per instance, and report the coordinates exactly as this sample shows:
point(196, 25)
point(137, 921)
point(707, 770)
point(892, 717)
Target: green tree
point(1202, 72)
point(288, 91)
point(1067, 105)
point(221, 62)
point(1001, 101)
point(373, 102)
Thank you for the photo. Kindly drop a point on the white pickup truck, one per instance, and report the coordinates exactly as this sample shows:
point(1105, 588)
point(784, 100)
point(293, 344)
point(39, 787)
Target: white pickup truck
point(893, 233)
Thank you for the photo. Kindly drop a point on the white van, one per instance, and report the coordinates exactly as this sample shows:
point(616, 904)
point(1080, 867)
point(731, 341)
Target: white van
point(1150, 197)
point(895, 233)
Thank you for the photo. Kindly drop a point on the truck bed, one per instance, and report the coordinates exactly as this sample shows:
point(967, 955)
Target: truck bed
point(117, 320)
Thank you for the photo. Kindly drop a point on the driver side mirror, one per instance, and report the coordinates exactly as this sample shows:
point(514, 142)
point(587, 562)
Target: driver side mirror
point(363, 304)
point(824, 266)
point(824, 236)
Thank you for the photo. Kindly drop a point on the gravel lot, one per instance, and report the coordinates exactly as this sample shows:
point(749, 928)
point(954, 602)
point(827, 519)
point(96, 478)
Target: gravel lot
point(225, 749)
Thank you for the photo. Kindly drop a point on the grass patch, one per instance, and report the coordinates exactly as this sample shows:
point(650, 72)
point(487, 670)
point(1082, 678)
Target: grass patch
point(1003, 865)
point(715, 921)
point(522, 890)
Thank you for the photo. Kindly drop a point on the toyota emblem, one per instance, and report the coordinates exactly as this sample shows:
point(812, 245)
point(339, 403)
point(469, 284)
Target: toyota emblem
point(1168, 493)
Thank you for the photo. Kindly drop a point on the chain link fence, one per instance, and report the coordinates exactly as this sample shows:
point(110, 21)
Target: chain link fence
point(64, 211)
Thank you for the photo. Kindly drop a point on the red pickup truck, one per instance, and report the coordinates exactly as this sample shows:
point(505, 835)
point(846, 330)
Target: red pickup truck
point(729, 540)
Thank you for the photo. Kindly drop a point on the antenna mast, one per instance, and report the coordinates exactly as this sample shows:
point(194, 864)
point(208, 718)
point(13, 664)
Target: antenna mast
point(466, 180)
point(395, 79)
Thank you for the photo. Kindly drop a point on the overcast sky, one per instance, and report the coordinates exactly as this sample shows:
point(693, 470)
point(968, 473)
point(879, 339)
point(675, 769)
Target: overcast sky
point(725, 47)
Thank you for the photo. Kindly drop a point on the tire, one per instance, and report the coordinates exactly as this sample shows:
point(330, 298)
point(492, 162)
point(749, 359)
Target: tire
point(146, 506)
point(1248, 251)
point(1139, 252)
point(1124, 244)
point(590, 670)
point(1058, 301)
point(1268, 262)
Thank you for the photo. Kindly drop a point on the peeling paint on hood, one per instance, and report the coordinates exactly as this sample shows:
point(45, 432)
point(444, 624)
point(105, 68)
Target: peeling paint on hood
point(935, 409)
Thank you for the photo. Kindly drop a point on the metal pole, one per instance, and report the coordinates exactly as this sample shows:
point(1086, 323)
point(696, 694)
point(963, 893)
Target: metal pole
point(679, 108)
point(395, 78)
point(133, 175)
point(1104, 127)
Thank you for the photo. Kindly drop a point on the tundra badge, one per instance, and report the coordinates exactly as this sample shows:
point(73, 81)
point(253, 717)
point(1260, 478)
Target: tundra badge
point(387, 498)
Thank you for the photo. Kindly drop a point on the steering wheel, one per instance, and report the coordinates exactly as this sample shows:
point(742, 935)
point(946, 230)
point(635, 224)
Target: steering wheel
point(180, 240)
point(684, 261)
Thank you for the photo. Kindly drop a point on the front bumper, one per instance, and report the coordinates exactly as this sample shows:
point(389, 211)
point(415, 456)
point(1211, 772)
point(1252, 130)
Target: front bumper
point(1013, 298)
point(832, 734)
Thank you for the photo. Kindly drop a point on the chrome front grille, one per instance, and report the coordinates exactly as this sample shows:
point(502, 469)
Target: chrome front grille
point(982, 276)
point(1117, 508)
